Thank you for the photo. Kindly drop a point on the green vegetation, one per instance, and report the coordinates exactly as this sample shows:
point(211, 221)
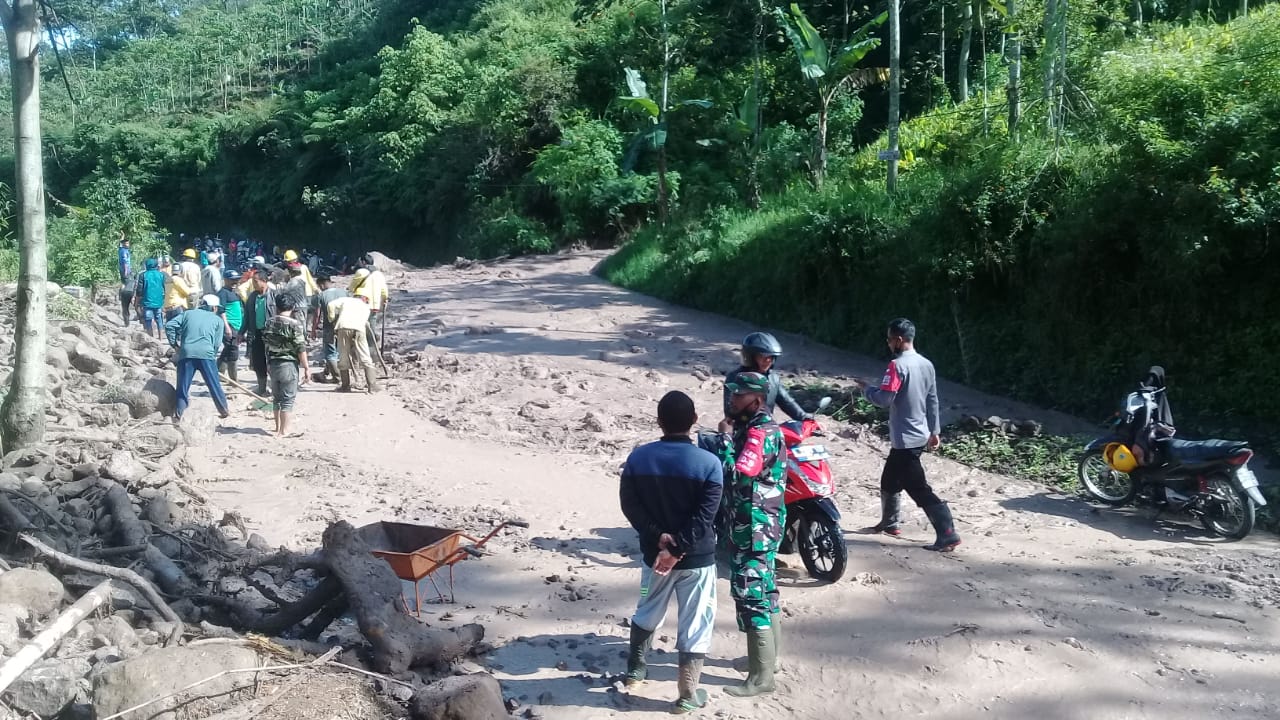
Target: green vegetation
point(1054, 269)
point(1127, 221)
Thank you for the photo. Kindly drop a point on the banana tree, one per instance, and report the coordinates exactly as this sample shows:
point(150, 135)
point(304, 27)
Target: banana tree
point(654, 136)
point(828, 70)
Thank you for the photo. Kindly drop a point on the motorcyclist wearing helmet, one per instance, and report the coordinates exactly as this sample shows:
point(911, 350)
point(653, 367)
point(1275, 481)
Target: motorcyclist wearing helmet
point(760, 351)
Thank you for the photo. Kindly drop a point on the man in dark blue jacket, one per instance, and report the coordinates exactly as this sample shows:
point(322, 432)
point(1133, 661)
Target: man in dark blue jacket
point(670, 493)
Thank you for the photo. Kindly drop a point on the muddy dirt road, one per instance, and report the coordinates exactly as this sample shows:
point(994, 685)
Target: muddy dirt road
point(519, 389)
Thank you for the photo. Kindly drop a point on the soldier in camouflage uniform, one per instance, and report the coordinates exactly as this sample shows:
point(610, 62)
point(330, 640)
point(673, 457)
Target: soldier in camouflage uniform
point(758, 516)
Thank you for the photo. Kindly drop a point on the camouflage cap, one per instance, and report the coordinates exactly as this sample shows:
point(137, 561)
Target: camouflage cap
point(748, 382)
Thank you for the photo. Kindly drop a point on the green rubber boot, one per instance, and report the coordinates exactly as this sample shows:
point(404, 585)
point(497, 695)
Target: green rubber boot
point(762, 656)
point(637, 670)
point(743, 665)
point(692, 697)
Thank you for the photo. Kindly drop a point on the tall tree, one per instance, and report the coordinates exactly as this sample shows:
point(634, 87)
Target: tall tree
point(966, 45)
point(828, 71)
point(1013, 46)
point(22, 413)
point(895, 85)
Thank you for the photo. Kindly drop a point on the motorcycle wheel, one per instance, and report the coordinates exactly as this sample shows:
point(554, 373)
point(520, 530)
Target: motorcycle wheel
point(1103, 483)
point(822, 549)
point(1229, 512)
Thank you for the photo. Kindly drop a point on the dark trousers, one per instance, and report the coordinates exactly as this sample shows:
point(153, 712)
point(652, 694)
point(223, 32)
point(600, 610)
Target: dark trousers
point(903, 471)
point(126, 303)
point(208, 370)
point(258, 359)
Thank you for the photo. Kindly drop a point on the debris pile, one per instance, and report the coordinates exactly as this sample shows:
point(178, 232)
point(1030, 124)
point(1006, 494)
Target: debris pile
point(124, 590)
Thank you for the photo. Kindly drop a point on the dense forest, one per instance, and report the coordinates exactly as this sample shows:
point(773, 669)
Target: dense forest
point(1085, 187)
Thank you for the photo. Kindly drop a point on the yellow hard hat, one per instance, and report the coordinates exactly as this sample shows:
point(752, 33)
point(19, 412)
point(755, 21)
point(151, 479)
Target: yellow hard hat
point(1120, 457)
point(290, 256)
point(189, 253)
point(358, 280)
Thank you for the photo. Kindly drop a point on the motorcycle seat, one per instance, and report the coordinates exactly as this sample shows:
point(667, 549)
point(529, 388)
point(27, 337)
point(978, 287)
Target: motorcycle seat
point(1189, 452)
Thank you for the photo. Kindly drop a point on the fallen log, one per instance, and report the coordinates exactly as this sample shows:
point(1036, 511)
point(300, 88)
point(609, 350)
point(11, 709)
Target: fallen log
point(124, 575)
point(399, 642)
point(44, 642)
point(129, 528)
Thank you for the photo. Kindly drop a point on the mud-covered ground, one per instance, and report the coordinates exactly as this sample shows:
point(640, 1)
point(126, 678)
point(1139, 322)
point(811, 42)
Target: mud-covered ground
point(519, 388)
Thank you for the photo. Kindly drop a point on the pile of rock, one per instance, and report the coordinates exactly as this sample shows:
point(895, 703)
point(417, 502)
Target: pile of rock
point(110, 494)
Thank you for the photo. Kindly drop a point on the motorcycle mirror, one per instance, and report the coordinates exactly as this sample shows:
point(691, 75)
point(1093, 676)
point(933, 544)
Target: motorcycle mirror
point(824, 402)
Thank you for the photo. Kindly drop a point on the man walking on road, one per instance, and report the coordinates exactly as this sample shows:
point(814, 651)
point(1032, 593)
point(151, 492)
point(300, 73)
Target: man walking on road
point(350, 318)
point(124, 262)
point(328, 293)
point(198, 336)
point(149, 293)
point(258, 309)
point(757, 516)
point(670, 493)
point(286, 358)
point(910, 390)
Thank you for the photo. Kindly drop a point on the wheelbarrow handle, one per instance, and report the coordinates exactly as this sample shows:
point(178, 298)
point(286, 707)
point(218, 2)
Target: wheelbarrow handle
point(472, 550)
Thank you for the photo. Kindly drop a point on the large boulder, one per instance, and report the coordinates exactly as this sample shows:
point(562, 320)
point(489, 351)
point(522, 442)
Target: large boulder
point(48, 686)
point(37, 590)
point(387, 265)
point(155, 395)
point(161, 672)
point(91, 361)
point(460, 697)
point(123, 467)
point(12, 618)
point(57, 358)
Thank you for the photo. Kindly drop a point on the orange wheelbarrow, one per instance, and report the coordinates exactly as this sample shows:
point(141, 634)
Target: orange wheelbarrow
point(416, 552)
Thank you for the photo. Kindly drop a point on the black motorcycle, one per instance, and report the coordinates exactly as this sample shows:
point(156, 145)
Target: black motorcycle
point(1207, 479)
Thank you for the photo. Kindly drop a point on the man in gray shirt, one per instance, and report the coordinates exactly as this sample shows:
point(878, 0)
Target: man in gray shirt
point(910, 390)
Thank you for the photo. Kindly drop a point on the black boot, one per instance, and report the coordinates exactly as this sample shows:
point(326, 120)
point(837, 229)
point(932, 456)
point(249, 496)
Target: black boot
point(641, 641)
point(944, 526)
point(890, 509)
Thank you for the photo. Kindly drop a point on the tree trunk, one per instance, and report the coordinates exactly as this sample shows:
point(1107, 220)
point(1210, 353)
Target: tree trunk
point(966, 43)
point(1244, 8)
point(895, 86)
point(753, 171)
point(662, 184)
point(399, 641)
point(1137, 13)
point(820, 145)
point(1050, 63)
point(942, 49)
point(22, 419)
point(986, 77)
point(1014, 89)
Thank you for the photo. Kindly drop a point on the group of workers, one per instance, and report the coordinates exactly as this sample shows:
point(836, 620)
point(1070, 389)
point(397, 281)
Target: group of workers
point(206, 310)
point(672, 490)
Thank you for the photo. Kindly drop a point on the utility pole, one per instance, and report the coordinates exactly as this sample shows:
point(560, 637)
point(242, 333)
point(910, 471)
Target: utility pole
point(895, 87)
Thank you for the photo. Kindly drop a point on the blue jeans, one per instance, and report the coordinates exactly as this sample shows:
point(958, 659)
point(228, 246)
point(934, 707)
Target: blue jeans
point(209, 371)
point(152, 316)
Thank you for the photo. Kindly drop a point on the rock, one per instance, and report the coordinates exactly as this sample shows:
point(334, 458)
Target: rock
point(116, 631)
point(462, 697)
point(155, 395)
point(11, 482)
point(34, 488)
point(80, 484)
point(165, 475)
point(1028, 428)
point(535, 372)
point(12, 617)
point(123, 467)
point(49, 686)
point(106, 655)
point(91, 361)
point(595, 422)
point(36, 590)
point(1073, 643)
point(160, 512)
point(109, 414)
point(57, 358)
point(160, 672)
point(973, 492)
